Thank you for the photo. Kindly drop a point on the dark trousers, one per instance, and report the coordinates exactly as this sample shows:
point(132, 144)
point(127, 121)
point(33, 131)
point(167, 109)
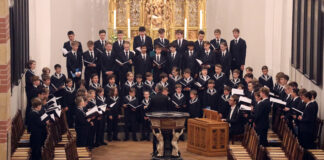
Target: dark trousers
point(263, 133)
point(75, 80)
point(112, 126)
point(35, 145)
point(146, 128)
point(92, 134)
point(100, 130)
point(306, 139)
point(88, 72)
point(70, 117)
point(237, 66)
point(82, 133)
point(131, 123)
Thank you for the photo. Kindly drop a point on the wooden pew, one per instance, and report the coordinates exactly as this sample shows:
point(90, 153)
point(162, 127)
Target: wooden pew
point(290, 148)
point(249, 148)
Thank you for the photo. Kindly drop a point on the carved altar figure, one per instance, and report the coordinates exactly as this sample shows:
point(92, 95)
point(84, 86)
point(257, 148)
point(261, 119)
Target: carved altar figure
point(160, 145)
point(174, 142)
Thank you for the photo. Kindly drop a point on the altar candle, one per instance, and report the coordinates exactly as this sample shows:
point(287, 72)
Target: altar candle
point(200, 23)
point(115, 20)
point(185, 28)
point(164, 1)
point(129, 29)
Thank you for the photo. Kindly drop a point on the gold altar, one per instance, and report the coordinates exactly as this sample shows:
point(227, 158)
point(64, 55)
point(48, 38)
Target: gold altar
point(128, 15)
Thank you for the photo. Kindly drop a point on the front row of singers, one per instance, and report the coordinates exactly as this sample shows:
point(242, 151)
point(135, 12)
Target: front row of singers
point(94, 110)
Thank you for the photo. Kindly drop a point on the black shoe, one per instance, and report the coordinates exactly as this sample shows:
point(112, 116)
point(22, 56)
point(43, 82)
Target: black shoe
point(148, 139)
point(96, 145)
point(109, 139)
point(143, 139)
point(126, 139)
point(104, 143)
point(116, 139)
point(135, 139)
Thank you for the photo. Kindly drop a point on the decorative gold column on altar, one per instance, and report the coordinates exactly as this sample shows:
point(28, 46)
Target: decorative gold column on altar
point(155, 14)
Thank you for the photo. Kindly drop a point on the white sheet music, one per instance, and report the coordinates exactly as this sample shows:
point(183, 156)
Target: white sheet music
point(275, 100)
point(245, 99)
point(245, 108)
point(237, 91)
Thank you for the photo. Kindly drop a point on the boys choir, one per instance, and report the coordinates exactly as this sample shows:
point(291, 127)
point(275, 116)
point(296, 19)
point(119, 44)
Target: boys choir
point(182, 76)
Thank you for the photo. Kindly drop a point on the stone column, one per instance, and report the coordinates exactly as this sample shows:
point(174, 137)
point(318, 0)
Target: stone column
point(5, 92)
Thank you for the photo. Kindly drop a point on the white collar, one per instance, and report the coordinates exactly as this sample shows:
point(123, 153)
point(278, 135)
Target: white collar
point(31, 71)
point(193, 100)
point(130, 84)
point(69, 89)
point(57, 76)
point(308, 103)
point(102, 99)
point(111, 85)
point(264, 99)
point(188, 80)
point(178, 96)
point(146, 101)
point(114, 98)
point(130, 98)
point(217, 76)
point(236, 81)
point(149, 83)
point(94, 85)
point(165, 84)
point(225, 97)
point(175, 78)
point(211, 91)
point(205, 78)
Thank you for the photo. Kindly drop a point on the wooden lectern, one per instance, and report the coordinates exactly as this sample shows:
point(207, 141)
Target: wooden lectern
point(208, 136)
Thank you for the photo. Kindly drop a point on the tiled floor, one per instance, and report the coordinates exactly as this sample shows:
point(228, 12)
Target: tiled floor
point(139, 151)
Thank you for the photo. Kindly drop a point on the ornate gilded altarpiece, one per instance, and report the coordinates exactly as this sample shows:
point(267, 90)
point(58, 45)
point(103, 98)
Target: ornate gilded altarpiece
point(155, 14)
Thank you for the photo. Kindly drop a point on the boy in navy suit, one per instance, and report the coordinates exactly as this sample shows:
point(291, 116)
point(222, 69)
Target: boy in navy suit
point(58, 79)
point(108, 64)
point(159, 63)
point(74, 63)
point(125, 61)
point(174, 58)
point(143, 62)
point(209, 58)
point(82, 124)
point(307, 122)
point(131, 114)
point(261, 116)
point(99, 45)
point(216, 42)
point(265, 79)
point(162, 41)
point(118, 45)
point(90, 59)
point(189, 60)
point(199, 44)
point(238, 50)
point(142, 39)
point(37, 129)
point(68, 45)
point(225, 59)
point(181, 43)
